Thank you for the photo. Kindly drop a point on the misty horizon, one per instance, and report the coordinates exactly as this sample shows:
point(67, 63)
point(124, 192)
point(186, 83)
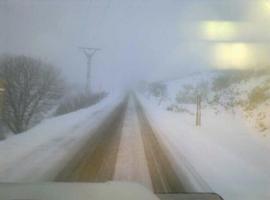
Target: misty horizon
point(139, 41)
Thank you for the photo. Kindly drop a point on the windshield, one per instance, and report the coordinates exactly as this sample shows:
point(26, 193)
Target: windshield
point(172, 95)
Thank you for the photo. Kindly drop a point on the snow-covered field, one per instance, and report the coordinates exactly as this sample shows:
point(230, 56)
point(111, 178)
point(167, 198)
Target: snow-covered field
point(228, 154)
point(39, 153)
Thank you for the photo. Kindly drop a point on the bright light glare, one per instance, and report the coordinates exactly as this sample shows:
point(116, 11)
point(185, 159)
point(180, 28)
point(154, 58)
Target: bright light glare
point(233, 55)
point(266, 6)
point(219, 30)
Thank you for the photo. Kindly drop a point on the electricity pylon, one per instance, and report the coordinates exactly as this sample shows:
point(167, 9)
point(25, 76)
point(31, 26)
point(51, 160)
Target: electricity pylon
point(89, 53)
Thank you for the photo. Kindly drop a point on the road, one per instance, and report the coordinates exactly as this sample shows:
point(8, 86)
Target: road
point(96, 160)
point(163, 176)
point(125, 148)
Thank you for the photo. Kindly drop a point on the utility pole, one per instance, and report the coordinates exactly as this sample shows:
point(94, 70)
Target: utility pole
point(198, 113)
point(89, 53)
point(2, 94)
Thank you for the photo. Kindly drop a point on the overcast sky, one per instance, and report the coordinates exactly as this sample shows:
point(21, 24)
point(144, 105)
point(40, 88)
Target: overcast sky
point(140, 39)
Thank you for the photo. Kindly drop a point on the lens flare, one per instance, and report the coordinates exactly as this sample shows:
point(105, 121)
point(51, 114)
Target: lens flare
point(266, 6)
point(219, 30)
point(233, 56)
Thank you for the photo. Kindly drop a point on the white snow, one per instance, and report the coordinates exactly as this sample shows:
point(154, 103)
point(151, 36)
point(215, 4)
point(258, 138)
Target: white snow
point(226, 155)
point(192, 80)
point(131, 160)
point(39, 153)
point(76, 191)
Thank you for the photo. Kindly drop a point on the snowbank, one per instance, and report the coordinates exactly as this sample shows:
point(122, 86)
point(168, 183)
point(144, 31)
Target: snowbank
point(38, 154)
point(225, 153)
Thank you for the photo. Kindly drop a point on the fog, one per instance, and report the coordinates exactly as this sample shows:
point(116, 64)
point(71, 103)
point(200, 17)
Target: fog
point(139, 40)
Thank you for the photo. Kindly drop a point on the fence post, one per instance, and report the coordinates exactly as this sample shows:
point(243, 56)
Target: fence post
point(198, 113)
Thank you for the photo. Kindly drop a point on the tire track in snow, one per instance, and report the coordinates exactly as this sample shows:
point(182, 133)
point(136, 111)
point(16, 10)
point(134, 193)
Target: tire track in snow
point(96, 160)
point(164, 178)
point(131, 160)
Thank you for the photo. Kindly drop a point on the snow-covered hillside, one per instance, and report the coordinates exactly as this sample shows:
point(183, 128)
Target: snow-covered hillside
point(230, 151)
point(245, 94)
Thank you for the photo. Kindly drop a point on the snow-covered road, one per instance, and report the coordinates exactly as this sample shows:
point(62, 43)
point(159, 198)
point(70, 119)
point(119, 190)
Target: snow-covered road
point(96, 159)
point(110, 141)
point(124, 148)
point(131, 160)
point(163, 175)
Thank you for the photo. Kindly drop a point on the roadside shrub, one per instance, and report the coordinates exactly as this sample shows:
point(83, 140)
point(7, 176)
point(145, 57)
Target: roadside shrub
point(188, 94)
point(158, 90)
point(227, 78)
point(176, 108)
point(221, 83)
point(257, 96)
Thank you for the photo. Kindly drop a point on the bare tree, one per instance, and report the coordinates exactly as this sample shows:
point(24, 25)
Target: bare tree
point(158, 90)
point(31, 88)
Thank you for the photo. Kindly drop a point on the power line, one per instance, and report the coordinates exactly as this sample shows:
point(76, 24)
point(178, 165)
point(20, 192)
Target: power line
point(89, 52)
point(102, 19)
